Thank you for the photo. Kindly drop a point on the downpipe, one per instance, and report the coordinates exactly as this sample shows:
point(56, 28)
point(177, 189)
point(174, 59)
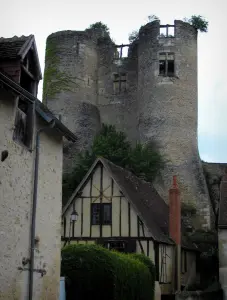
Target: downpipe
point(34, 205)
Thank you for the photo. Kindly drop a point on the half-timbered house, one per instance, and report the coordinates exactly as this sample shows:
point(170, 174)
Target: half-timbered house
point(118, 210)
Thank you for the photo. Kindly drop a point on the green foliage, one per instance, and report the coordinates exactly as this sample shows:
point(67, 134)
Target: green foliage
point(198, 22)
point(134, 35)
point(145, 260)
point(145, 161)
point(188, 209)
point(100, 25)
point(54, 81)
point(92, 271)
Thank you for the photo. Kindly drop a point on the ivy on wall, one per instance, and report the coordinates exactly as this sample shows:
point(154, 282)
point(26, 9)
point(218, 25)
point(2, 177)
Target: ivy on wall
point(55, 80)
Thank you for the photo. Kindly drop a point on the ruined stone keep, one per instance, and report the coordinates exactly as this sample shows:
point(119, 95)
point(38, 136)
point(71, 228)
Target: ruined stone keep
point(150, 94)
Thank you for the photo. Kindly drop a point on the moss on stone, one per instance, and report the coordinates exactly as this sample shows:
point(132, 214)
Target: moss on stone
point(55, 80)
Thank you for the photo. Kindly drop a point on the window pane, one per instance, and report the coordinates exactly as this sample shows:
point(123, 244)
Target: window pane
point(116, 87)
point(95, 214)
point(170, 56)
point(170, 70)
point(107, 214)
point(123, 76)
point(162, 56)
point(123, 86)
point(116, 76)
point(162, 67)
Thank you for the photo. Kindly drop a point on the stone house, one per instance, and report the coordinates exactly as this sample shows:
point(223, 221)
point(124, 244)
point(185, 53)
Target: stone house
point(116, 209)
point(31, 140)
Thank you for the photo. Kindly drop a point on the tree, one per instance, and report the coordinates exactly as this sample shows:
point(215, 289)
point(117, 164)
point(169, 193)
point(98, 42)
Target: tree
point(198, 22)
point(100, 25)
point(145, 161)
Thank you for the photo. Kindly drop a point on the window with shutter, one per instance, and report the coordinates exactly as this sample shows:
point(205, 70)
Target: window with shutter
point(23, 129)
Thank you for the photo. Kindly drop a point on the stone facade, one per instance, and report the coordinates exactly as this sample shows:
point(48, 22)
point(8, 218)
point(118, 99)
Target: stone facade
point(148, 107)
point(16, 193)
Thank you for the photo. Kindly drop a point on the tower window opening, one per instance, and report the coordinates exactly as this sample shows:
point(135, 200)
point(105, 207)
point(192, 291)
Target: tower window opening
point(119, 83)
point(167, 31)
point(166, 64)
point(121, 51)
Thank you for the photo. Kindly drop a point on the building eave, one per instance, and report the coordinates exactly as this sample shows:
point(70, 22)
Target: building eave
point(41, 109)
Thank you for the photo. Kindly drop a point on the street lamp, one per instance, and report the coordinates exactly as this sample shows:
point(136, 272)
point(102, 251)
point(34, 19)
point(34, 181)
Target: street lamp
point(74, 216)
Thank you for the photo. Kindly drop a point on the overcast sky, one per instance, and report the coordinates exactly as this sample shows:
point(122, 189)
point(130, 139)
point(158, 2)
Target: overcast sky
point(42, 17)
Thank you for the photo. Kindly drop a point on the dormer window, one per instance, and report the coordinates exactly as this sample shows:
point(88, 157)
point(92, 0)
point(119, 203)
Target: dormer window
point(28, 79)
point(23, 128)
point(166, 64)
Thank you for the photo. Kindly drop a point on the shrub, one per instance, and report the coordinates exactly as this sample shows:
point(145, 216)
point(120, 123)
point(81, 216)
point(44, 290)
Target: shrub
point(146, 260)
point(93, 271)
point(198, 22)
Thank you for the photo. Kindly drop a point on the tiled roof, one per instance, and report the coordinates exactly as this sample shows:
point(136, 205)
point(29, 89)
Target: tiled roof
point(10, 47)
point(151, 208)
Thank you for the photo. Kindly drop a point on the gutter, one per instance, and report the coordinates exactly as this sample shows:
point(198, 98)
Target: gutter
point(34, 205)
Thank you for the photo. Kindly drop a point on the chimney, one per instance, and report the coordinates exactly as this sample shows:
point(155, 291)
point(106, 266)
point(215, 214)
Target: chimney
point(175, 230)
point(175, 212)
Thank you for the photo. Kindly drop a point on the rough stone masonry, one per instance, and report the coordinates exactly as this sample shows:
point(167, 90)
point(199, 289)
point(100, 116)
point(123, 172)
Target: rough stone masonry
point(151, 94)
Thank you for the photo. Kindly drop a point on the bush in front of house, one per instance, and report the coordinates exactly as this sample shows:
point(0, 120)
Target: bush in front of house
point(92, 271)
point(150, 265)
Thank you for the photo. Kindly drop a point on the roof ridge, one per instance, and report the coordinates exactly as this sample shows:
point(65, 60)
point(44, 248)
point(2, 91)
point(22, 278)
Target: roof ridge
point(14, 38)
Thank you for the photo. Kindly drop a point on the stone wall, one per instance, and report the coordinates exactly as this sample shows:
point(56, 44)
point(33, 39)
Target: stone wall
point(16, 190)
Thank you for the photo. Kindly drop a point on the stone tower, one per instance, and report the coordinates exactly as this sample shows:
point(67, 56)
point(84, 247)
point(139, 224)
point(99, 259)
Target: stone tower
point(150, 95)
point(168, 106)
point(70, 87)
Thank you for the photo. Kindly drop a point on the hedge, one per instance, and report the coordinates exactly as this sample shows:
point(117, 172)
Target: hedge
point(92, 271)
point(144, 259)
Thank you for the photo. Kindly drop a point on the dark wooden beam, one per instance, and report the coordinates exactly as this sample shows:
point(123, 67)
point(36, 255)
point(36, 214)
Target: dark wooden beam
point(28, 72)
point(91, 181)
point(129, 219)
point(120, 218)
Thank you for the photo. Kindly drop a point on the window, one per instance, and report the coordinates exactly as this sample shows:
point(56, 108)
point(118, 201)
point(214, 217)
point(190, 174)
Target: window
point(119, 246)
point(119, 83)
point(166, 64)
point(184, 265)
point(101, 213)
point(23, 131)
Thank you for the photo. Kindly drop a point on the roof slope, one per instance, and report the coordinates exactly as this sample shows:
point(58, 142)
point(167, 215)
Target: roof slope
point(152, 209)
point(10, 48)
point(17, 47)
